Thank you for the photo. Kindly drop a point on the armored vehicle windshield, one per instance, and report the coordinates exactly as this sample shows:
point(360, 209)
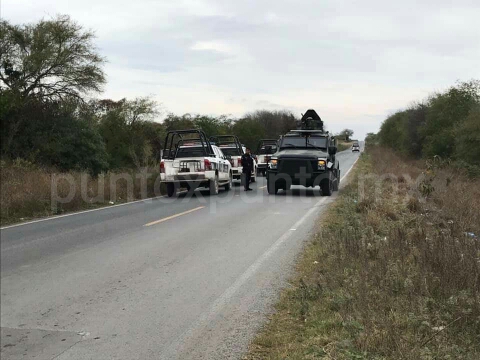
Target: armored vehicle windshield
point(302, 142)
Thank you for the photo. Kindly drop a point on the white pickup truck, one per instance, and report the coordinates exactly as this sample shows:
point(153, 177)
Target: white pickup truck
point(266, 148)
point(190, 161)
point(233, 151)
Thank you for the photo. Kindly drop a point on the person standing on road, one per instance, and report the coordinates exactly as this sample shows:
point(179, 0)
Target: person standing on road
point(247, 167)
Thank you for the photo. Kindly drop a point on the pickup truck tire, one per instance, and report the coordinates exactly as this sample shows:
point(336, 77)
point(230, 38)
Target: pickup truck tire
point(170, 189)
point(228, 185)
point(214, 186)
point(327, 188)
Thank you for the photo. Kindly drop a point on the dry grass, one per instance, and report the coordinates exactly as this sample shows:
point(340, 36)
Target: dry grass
point(28, 191)
point(390, 275)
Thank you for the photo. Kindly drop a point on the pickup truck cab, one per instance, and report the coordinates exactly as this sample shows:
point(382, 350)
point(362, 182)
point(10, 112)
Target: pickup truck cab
point(190, 162)
point(233, 150)
point(265, 149)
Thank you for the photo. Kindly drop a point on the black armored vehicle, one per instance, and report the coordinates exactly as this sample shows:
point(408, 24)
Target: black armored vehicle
point(305, 157)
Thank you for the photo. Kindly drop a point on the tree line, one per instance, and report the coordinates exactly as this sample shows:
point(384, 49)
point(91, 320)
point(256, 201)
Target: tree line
point(446, 124)
point(48, 73)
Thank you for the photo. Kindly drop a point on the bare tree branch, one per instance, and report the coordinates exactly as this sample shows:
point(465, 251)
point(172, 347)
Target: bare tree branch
point(52, 59)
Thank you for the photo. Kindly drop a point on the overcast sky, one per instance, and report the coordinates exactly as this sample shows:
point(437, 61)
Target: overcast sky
point(354, 62)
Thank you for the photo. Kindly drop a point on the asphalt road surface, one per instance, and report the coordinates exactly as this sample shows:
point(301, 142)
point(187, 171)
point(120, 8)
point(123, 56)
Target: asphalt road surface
point(188, 278)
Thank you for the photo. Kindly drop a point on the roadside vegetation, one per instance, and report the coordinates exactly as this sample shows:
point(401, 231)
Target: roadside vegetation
point(393, 271)
point(344, 139)
point(49, 72)
point(29, 191)
point(344, 145)
point(446, 125)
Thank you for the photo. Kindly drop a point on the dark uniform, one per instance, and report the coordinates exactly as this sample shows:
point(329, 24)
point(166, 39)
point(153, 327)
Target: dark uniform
point(247, 167)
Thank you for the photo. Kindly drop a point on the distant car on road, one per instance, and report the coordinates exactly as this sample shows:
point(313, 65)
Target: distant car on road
point(356, 147)
point(191, 161)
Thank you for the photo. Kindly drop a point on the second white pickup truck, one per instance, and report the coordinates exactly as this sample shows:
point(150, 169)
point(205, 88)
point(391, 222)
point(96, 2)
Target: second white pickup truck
point(233, 151)
point(266, 148)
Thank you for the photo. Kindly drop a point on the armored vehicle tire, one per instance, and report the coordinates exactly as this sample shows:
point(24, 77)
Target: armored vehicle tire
point(228, 185)
point(214, 186)
point(327, 188)
point(272, 189)
point(170, 189)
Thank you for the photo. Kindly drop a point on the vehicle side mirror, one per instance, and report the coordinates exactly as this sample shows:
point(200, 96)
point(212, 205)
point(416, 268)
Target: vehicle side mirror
point(332, 150)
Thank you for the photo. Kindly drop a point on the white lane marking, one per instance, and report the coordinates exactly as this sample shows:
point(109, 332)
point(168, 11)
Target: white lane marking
point(225, 298)
point(263, 187)
point(174, 216)
point(84, 211)
point(351, 167)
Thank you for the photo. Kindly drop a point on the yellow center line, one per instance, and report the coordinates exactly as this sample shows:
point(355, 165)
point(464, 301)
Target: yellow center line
point(173, 216)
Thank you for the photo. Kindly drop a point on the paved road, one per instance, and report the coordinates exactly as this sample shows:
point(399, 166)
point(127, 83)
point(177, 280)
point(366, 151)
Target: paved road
point(195, 283)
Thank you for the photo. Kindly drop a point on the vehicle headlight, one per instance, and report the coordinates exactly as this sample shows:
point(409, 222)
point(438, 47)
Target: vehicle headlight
point(273, 163)
point(321, 164)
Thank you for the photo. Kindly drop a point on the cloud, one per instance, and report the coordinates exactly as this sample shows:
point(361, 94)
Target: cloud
point(351, 61)
point(212, 46)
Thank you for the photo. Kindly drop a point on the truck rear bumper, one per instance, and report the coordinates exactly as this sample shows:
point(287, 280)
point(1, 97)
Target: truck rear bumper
point(238, 175)
point(186, 176)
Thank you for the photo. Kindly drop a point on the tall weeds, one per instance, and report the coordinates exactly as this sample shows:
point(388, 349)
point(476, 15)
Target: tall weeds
point(29, 191)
